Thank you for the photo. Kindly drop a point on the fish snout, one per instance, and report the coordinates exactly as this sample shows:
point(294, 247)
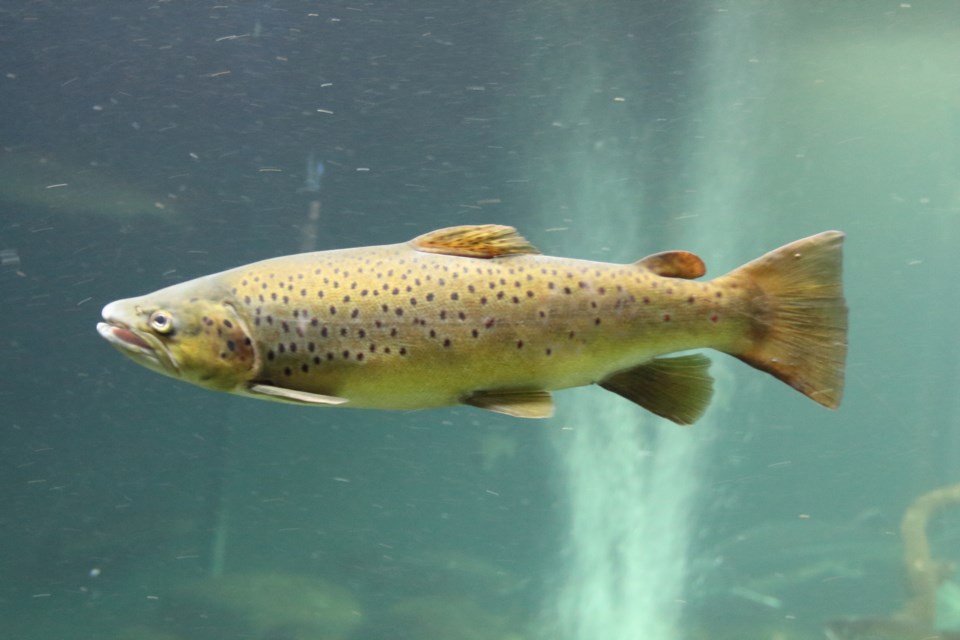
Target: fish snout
point(118, 327)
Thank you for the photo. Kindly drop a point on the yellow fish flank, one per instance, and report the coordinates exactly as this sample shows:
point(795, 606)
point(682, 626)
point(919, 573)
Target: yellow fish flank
point(476, 315)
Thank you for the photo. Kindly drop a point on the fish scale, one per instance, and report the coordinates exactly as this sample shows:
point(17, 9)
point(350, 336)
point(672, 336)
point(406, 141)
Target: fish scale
point(476, 315)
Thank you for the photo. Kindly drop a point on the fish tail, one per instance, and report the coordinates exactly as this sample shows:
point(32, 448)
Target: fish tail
point(799, 332)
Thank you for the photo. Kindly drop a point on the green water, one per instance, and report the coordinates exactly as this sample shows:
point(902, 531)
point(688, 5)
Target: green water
point(148, 144)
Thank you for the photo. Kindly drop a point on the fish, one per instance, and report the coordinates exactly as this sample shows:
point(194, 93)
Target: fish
point(476, 315)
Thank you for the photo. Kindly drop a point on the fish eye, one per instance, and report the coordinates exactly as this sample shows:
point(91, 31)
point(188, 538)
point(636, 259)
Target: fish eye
point(161, 321)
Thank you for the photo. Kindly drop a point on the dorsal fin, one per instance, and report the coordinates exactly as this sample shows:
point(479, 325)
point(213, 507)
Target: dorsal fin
point(474, 241)
point(674, 264)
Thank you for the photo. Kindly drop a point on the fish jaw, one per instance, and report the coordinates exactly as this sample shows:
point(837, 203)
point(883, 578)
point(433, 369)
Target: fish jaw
point(120, 327)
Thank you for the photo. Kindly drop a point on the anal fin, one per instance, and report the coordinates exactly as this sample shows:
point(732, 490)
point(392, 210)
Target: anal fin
point(678, 389)
point(530, 403)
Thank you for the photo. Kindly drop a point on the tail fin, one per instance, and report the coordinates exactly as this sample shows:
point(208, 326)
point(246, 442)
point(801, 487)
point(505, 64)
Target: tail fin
point(800, 330)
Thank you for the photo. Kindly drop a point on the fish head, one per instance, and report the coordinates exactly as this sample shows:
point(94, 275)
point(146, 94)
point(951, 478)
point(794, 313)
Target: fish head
point(199, 339)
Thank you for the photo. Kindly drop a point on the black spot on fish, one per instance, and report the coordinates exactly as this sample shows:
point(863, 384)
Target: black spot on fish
point(231, 345)
point(293, 347)
point(287, 371)
point(271, 355)
point(305, 368)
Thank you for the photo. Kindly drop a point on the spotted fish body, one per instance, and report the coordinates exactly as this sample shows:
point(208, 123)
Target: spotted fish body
point(476, 315)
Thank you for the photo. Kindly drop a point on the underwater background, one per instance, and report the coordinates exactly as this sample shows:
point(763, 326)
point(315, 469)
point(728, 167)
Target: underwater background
point(147, 143)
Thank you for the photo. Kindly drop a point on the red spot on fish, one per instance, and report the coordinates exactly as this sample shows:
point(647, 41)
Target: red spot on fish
point(666, 317)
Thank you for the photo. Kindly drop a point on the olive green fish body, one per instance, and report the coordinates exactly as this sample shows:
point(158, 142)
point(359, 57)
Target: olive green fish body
point(465, 315)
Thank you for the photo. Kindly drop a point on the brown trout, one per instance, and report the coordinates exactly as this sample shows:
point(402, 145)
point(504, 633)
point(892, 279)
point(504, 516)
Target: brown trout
point(476, 315)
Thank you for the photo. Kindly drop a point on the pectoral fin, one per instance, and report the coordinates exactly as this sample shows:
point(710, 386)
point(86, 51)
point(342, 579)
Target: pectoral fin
point(519, 404)
point(678, 389)
point(293, 396)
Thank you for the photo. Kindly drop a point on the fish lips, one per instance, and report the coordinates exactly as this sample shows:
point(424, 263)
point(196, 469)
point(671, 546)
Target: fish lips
point(143, 349)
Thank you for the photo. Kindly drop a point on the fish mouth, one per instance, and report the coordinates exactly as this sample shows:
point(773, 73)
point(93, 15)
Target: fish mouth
point(143, 349)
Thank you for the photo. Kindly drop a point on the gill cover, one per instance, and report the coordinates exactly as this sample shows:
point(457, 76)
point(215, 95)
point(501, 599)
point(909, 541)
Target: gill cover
point(210, 345)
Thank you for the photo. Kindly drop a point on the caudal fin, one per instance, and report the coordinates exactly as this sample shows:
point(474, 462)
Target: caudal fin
point(800, 329)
